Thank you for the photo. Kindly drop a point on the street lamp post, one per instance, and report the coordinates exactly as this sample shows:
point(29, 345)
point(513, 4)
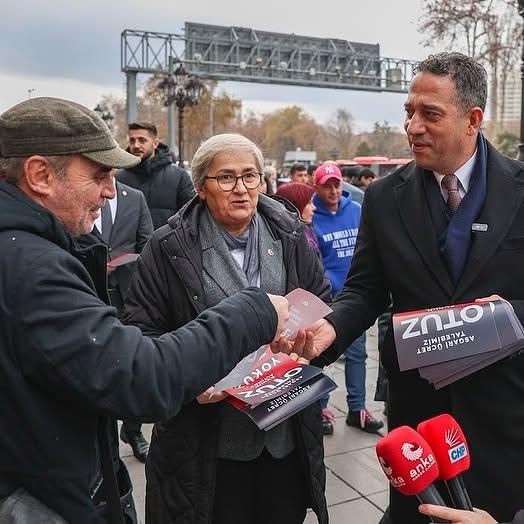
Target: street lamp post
point(521, 145)
point(105, 115)
point(181, 89)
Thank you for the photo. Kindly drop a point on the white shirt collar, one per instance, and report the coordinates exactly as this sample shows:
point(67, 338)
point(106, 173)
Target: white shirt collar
point(463, 173)
point(112, 205)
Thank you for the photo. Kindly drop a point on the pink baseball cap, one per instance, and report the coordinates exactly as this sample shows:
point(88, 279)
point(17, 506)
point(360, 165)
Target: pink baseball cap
point(325, 172)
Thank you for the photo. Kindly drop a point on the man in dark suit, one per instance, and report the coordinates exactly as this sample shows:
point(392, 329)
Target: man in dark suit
point(125, 226)
point(445, 229)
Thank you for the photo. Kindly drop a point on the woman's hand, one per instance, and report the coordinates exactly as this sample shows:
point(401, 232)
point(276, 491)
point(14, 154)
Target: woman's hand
point(457, 516)
point(210, 397)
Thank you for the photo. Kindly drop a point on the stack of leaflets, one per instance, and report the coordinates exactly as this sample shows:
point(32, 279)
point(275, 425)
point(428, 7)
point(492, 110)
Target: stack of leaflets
point(270, 388)
point(448, 343)
point(121, 260)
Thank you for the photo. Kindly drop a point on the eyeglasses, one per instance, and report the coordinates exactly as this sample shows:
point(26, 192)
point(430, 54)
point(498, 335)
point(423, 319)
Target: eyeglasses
point(228, 182)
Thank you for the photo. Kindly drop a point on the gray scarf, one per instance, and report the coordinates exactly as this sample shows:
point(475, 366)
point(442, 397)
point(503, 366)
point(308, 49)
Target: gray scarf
point(248, 241)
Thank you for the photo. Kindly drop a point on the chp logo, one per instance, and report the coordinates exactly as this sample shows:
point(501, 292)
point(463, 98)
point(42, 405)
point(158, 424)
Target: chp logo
point(458, 449)
point(412, 451)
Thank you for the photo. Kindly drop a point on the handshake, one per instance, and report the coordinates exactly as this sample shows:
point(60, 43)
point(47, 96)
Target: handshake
point(294, 334)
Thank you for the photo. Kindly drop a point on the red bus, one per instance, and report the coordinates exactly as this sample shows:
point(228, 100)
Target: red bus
point(380, 165)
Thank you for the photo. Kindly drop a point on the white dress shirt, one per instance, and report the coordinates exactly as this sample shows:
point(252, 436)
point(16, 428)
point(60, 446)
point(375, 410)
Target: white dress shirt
point(463, 174)
point(112, 206)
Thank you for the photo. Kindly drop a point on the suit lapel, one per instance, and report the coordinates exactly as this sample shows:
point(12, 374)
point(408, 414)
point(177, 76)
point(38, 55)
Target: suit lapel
point(504, 196)
point(412, 206)
point(98, 235)
point(121, 206)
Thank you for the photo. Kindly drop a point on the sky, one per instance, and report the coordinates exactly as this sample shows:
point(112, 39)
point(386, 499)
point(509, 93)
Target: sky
point(71, 49)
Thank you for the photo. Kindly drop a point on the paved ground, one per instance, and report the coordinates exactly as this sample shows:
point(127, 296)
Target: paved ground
point(356, 486)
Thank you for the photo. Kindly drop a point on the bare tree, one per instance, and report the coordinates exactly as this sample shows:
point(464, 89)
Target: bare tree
point(458, 24)
point(508, 53)
point(483, 29)
point(340, 132)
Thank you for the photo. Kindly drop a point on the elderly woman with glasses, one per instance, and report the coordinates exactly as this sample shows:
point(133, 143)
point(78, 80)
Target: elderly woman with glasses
point(211, 464)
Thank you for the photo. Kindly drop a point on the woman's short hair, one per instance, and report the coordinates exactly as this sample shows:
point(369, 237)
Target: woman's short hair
point(219, 145)
point(297, 193)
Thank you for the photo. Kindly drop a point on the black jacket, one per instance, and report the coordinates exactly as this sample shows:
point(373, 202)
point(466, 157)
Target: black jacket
point(66, 361)
point(397, 252)
point(167, 292)
point(166, 186)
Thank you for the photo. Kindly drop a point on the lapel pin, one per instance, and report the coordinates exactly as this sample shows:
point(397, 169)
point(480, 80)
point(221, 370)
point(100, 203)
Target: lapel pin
point(479, 227)
point(270, 252)
point(124, 192)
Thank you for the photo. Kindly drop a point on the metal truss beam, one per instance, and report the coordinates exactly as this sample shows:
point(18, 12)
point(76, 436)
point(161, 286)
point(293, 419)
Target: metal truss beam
point(246, 55)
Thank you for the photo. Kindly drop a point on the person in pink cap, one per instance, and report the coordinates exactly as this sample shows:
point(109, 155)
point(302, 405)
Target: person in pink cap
point(336, 221)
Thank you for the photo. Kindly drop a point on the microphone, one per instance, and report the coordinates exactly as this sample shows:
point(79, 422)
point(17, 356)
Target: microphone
point(410, 465)
point(450, 449)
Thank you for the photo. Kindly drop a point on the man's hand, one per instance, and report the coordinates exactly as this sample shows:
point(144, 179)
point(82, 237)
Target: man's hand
point(209, 398)
point(308, 344)
point(316, 340)
point(281, 306)
point(457, 516)
point(491, 298)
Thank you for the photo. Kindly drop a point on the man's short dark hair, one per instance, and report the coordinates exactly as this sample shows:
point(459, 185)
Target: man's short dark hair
point(295, 168)
point(311, 169)
point(365, 172)
point(470, 77)
point(350, 172)
point(151, 128)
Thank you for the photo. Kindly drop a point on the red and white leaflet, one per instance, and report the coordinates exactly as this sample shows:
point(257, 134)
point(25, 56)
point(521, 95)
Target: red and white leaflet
point(123, 259)
point(266, 378)
point(304, 310)
point(244, 368)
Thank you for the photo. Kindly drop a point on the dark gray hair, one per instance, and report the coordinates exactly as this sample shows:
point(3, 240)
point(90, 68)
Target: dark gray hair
point(470, 77)
point(12, 169)
point(217, 145)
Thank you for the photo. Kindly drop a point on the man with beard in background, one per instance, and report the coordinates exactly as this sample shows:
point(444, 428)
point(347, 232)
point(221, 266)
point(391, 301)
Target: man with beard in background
point(166, 186)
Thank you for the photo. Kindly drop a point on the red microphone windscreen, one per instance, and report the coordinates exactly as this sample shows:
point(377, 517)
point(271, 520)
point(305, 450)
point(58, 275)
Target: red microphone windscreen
point(448, 443)
point(407, 460)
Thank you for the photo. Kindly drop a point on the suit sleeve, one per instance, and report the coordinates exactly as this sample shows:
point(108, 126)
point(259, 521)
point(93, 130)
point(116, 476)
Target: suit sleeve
point(365, 295)
point(145, 225)
point(71, 344)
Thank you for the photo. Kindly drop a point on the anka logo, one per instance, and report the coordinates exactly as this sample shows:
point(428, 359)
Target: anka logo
point(412, 451)
point(388, 470)
point(396, 482)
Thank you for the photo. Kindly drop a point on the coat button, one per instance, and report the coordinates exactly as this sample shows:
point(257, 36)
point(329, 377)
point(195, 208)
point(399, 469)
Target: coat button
point(174, 257)
point(195, 297)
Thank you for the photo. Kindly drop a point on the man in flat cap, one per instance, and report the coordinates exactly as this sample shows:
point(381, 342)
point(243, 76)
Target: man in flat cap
point(67, 365)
